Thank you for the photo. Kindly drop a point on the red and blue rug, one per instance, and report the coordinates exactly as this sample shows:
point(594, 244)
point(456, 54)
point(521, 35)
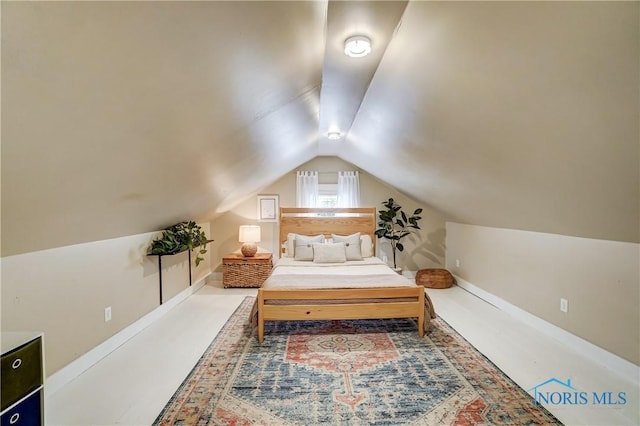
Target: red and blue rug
point(368, 372)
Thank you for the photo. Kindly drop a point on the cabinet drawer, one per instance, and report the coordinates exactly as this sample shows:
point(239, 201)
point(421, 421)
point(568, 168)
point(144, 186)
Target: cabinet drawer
point(29, 412)
point(21, 371)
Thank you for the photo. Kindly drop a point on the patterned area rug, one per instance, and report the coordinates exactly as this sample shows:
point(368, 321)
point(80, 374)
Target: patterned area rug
point(346, 373)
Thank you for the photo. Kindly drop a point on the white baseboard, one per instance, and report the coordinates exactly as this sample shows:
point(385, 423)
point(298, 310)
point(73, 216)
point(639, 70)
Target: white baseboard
point(72, 370)
point(618, 365)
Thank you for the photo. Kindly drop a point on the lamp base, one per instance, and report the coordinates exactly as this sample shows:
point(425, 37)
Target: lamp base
point(249, 249)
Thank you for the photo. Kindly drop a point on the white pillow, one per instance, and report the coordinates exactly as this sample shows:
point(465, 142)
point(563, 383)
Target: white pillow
point(366, 245)
point(351, 245)
point(304, 248)
point(329, 253)
point(291, 242)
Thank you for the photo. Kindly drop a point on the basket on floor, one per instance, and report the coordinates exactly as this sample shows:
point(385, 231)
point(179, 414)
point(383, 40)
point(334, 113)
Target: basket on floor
point(435, 278)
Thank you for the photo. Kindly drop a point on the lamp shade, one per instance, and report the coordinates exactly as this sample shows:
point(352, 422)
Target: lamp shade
point(249, 234)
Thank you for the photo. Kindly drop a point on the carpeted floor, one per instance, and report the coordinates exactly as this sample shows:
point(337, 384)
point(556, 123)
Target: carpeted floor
point(346, 373)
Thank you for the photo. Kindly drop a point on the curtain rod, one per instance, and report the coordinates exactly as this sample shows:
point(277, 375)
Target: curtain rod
point(326, 173)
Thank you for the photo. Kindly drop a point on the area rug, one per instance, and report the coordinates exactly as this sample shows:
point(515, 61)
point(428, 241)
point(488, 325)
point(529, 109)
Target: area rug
point(365, 372)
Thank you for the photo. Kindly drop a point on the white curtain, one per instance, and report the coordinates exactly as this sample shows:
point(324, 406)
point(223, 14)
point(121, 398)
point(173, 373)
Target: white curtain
point(348, 189)
point(306, 189)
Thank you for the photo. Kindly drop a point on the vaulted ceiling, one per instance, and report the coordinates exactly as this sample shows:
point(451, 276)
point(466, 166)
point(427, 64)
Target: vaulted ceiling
point(124, 117)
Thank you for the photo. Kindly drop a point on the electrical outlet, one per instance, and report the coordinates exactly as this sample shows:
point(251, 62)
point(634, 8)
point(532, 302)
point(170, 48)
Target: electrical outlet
point(107, 314)
point(564, 305)
point(457, 263)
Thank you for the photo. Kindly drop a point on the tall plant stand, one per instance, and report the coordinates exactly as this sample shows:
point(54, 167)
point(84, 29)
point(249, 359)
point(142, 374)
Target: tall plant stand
point(160, 267)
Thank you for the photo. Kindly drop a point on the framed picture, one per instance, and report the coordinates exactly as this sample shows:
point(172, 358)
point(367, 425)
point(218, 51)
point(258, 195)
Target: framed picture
point(267, 208)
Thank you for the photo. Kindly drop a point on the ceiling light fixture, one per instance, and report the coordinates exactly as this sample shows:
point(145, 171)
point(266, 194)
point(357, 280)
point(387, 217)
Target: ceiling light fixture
point(357, 46)
point(334, 136)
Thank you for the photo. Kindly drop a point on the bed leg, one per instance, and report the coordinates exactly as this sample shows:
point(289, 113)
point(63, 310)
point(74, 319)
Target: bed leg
point(260, 316)
point(421, 312)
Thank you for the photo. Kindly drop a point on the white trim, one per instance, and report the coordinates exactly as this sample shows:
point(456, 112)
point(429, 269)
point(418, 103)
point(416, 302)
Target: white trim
point(72, 370)
point(618, 365)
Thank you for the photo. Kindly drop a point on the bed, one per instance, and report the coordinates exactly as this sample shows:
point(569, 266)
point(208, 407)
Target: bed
point(320, 275)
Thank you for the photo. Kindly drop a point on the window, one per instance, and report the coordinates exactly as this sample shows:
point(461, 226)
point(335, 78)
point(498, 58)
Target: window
point(327, 195)
point(311, 193)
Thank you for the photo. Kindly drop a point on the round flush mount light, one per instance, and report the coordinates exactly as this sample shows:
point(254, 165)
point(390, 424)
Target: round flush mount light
point(334, 136)
point(357, 46)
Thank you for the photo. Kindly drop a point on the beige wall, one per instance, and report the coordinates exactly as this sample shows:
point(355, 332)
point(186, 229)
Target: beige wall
point(532, 270)
point(425, 249)
point(63, 292)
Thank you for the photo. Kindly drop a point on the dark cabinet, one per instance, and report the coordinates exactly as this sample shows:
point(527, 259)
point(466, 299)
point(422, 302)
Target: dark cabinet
point(22, 372)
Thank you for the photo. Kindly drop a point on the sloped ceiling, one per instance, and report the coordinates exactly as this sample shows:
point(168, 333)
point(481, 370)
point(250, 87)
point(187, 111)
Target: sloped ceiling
point(121, 118)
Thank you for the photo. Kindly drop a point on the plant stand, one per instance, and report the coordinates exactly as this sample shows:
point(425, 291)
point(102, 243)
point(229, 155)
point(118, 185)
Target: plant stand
point(160, 268)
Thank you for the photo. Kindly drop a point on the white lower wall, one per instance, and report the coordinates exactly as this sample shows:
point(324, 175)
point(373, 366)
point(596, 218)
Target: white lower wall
point(63, 292)
point(532, 271)
point(620, 366)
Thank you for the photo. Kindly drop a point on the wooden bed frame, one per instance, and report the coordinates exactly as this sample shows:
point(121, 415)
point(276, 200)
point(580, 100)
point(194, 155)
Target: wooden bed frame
point(309, 221)
point(391, 302)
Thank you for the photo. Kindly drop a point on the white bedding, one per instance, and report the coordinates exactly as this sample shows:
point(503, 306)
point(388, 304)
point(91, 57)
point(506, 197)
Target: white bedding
point(370, 272)
point(367, 273)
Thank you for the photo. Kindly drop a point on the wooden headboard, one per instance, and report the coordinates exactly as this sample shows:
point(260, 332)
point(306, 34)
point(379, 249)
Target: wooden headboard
point(339, 221)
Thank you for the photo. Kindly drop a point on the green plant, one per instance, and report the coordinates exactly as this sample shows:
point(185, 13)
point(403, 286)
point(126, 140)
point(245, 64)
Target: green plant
point(180, 237)
point(394, 225)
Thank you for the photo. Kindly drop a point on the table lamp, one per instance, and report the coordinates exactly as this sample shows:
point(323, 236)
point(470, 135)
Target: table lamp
point(249, 235)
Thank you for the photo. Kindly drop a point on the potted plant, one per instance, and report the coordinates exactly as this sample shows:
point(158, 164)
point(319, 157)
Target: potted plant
point(394, 225)
point(180, 237)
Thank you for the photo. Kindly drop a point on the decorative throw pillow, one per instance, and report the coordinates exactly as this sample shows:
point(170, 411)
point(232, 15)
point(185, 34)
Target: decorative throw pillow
point(329, 253)
point(351, 245)
point(366, 245)
point(304, 247)
point(291, 242)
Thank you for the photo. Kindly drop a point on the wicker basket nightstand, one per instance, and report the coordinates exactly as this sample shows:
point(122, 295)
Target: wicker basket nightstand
point(240, 271)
